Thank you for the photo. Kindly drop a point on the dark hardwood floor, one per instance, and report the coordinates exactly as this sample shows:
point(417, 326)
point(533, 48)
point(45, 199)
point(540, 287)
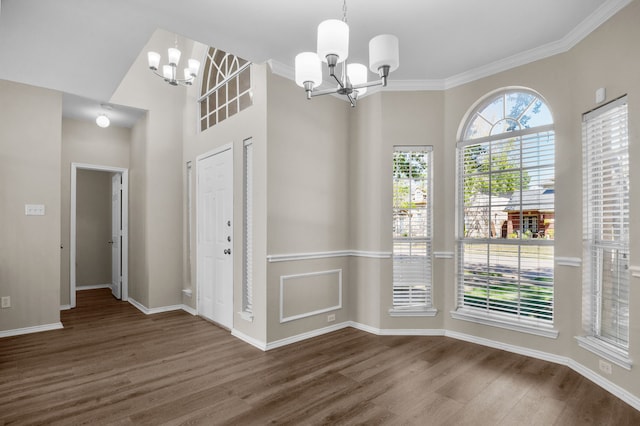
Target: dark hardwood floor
point(111, 364)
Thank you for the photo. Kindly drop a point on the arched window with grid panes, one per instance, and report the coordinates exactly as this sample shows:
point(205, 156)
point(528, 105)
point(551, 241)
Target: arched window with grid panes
point(226, 87)
point(506, 213)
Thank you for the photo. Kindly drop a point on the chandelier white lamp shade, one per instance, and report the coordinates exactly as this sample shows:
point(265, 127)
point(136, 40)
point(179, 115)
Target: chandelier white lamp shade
point(333, 49)
point(308, 71)
point(384, 52)
point(357, 74)
point(169, 71)
point(333, 41)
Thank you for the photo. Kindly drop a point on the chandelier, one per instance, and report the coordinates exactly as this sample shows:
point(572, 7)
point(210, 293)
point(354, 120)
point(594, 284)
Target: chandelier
point(169, 71)
point(333, 49)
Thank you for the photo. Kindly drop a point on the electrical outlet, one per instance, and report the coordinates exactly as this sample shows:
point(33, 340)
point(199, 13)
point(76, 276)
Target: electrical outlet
point(331, 317)
point(6, 302)
point(605, 367)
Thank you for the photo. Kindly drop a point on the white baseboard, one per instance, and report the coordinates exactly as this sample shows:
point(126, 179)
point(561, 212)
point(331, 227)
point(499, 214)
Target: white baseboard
point(151, 311)
point(250, 340)
point(605, 384)
point(92, 287)
point(65, 307)
point(305, 336)
point(188, 309)
point(397, 332)
point(29, 330)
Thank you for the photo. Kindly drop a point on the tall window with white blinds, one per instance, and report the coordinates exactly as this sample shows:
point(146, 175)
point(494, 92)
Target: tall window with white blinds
point(247, 276)
point(412, 230)
point(606, 225)
point(506, 213)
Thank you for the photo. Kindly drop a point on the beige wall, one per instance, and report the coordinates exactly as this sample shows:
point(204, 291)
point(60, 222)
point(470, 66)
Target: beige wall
point(84, 142)
point(307, 196)
point(93, 228)
point(30, 146)
point(156, 169)
point(138, 261)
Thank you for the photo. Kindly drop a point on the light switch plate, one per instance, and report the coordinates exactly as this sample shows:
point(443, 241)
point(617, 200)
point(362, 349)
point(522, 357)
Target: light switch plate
point(34, 209)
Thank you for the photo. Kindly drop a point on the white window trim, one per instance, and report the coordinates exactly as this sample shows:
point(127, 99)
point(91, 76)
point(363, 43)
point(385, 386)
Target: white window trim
point(247, 237)
point(508, 322)
point(591, 341)
point(491, 318)
point(420, 310)
point(606, 351)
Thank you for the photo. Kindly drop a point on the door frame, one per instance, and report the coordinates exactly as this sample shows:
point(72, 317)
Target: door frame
point(218, 150)
point(125, 226)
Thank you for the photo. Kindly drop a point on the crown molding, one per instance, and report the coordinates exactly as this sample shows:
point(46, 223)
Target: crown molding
point(586, 27)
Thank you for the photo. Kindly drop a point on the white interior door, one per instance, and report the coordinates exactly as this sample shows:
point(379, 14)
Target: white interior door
point(214, 215)
point(116, 235)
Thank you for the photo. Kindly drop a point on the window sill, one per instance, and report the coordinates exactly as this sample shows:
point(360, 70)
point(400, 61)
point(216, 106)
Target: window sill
point(506, 322)
point(413, 312)
point(605, 350)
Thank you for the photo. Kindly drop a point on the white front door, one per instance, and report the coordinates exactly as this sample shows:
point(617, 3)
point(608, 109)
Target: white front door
point(215, 231)
point(116, 235)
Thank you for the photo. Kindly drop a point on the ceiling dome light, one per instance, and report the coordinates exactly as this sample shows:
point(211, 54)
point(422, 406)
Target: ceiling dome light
point(103, 121)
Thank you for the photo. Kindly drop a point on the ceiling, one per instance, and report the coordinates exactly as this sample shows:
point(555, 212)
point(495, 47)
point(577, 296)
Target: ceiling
point(85, 47)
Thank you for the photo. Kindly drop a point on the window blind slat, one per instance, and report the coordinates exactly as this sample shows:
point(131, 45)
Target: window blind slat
point(412, 227)
point(506, 194)
point(606, 223)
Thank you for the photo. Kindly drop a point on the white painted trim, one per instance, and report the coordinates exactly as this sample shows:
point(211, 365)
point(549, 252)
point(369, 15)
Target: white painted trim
point(576, 262)
point(248, 339)
point(494, 320)
point(603, 350)
point(29, 330)
point(272, 258)
point(304, 336)
point(188, 309)
point(507, 347)
point(284, 319)
point(65, 307)
point(605, 384)
point(425, 312)
point(125, 227)
point(371, 254)
point(161, 309)
point(246, 316)
point(635, 271)
point(597, 18)
point(92, 287)
point(443, 254)
point(187, 292)
point(306, 256)
point(397, 331)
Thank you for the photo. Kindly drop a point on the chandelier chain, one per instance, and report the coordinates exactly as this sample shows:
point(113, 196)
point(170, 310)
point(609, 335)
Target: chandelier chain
point(344, 11)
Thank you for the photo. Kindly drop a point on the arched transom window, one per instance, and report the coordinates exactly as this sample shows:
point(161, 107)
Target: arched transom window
point(226, 87)
point(506, 214)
